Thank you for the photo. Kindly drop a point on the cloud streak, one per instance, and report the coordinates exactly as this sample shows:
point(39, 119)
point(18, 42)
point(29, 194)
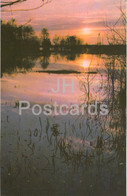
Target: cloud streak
point(67, 15)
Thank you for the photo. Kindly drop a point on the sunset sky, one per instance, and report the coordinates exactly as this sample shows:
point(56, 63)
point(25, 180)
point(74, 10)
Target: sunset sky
point(84, 18)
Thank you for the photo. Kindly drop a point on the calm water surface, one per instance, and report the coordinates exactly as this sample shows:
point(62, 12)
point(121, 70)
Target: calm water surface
point(70, 155)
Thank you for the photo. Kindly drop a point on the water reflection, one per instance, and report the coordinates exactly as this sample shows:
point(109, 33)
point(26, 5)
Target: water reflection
point(56, 155)
point(48, 60)
point(13, 64)
point(44, 60)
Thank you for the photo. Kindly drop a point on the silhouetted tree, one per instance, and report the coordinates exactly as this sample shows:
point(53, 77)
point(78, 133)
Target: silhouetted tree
point(17, 42)
point(117, 31)
point(70, 41)
point(4, 4)
point(56, 40)
point(44, 34)
point(45, 40)
point(63, 42)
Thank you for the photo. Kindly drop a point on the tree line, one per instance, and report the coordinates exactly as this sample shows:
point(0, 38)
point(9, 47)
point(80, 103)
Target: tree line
point(24, 38)
point(18, 38)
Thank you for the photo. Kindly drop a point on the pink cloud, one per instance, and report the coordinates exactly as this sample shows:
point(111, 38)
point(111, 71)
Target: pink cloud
point(66, 15)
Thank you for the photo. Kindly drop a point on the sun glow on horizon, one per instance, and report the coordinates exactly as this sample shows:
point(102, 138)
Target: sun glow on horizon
point(87, 31)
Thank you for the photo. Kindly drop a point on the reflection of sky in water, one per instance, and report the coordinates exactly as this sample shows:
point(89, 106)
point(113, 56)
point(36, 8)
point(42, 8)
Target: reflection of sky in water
point(36, 87)
point(51, 148)
point(81, 63)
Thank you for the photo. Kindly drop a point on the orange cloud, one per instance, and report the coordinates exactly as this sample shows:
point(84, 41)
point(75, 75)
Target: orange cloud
point(67, 16)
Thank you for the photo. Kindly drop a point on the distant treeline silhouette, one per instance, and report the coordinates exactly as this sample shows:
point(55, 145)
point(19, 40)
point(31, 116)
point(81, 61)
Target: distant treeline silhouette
point(22, 39)
point(20, 46)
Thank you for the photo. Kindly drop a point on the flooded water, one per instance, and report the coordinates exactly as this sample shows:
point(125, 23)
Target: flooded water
point(71, 155)
point(36, 86)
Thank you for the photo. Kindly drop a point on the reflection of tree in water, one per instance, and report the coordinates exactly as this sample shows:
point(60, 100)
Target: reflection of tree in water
point(13, 63)
point(116, 90)
point(56, 57)
point(114, 93)
point(45, 59)
point(72, 56)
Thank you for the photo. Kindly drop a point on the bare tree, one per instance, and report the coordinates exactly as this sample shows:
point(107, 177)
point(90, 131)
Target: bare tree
point(117, 31)
point(8, 3)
